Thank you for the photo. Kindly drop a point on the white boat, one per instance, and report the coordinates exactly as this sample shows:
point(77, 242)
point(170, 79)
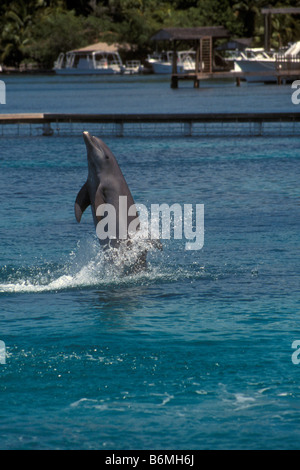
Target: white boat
point(162, 62)
point(132, 67)
point(257, 60)
point(97, 59)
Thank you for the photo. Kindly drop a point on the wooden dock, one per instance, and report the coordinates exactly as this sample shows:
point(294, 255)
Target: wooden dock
point(49, 124)
point(280, 76)
point(203, 39)
point(48, 118)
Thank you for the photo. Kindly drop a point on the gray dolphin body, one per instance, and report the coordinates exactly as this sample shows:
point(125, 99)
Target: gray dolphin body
point(105, 184)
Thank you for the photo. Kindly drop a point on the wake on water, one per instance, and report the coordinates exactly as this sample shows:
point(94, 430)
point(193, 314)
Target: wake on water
point(88, 266)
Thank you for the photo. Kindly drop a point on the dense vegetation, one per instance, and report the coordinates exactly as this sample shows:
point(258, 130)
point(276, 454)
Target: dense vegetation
point(37, 30)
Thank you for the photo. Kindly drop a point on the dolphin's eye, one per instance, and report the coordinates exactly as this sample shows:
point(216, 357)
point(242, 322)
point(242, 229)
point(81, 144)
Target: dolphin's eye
point(106, 157)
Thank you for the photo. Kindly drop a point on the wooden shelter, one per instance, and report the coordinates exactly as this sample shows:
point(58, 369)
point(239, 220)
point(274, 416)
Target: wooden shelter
point(235, 44)
point(102, 47)
point(99, 46)
point(202, 38)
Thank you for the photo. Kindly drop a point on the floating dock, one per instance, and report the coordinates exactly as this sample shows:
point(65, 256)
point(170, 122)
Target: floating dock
point(151, 125)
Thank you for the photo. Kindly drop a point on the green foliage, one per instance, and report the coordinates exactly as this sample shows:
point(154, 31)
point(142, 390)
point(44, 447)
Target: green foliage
point(57, 31)
point(38, 30)
point(15, 30)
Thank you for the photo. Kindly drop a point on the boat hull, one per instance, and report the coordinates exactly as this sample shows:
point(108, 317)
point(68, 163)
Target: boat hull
point(166, 68)
point(74, 71)
point(253, 66)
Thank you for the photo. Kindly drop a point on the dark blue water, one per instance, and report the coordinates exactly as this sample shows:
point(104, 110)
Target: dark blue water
point(194, 353)
point(138, 94)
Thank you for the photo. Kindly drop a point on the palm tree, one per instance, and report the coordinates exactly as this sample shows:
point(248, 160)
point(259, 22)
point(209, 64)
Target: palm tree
point(15, 35)
point(248, 12)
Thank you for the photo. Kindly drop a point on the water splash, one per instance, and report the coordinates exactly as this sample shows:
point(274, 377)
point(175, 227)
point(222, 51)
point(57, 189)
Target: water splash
point(88, 266)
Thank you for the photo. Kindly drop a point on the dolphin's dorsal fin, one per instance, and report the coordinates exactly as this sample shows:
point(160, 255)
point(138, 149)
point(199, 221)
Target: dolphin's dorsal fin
point(82, 202)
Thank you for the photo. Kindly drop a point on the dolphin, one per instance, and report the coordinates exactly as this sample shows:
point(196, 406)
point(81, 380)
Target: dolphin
point(106, 185)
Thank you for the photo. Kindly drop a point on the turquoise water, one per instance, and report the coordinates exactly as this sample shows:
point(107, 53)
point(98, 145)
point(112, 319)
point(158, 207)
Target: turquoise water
point(195, 353)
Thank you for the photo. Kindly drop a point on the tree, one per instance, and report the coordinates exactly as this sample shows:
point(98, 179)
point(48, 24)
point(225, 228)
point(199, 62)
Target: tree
point(248, 12)
point(56, 31)
point(15, 34)
point(40, 29)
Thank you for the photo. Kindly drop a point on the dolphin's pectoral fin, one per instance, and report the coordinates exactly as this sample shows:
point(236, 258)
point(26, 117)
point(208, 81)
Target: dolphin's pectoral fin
point(82, 202)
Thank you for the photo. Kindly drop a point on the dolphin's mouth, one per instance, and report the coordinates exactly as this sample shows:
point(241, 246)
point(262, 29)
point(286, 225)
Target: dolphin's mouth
point(88, 138)
point(92, 142)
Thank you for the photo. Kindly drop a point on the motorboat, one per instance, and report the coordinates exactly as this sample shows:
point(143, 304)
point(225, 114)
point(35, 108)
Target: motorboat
point(162, 62)
point(253, 60)
point(132, 67)
point(97, 59)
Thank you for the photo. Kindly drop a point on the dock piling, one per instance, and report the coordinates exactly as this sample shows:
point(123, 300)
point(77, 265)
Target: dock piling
point(47, 129)
point(174, 82)
point(188, 129)
point(119, 129)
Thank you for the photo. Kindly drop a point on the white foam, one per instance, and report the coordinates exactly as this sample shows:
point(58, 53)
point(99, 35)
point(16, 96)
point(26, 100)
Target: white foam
point(88, 266)
point(85, 277)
